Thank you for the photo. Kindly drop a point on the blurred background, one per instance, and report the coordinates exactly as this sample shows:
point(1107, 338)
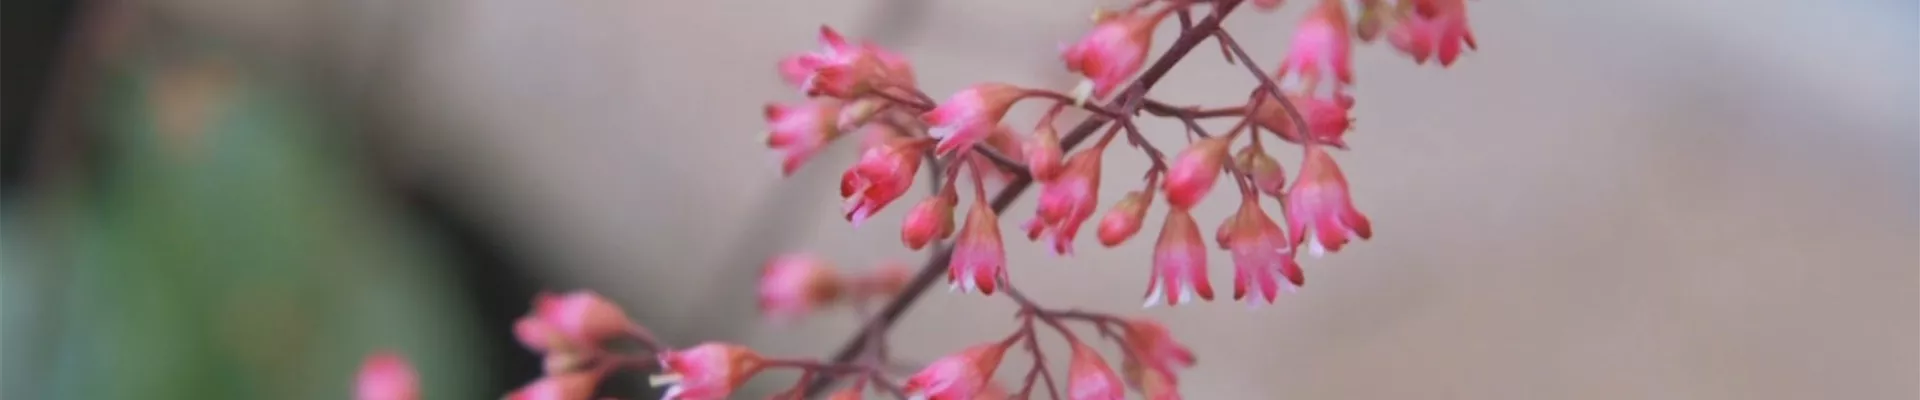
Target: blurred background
point(1710, 199)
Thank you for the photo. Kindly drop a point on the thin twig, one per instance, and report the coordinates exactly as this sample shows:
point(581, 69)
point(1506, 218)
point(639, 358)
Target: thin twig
point(1266, 82)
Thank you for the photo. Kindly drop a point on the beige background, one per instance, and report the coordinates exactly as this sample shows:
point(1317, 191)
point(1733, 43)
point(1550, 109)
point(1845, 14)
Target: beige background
point(1709, 199)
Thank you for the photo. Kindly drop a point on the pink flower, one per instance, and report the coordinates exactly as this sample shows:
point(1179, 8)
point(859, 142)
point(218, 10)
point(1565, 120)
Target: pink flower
point(386, 376)
point(567, 386)
point(709, 371)
point(1043, 153)
point(1089, 377)
point(931, 219)
point(850, 393)
point(794, 284)
point(1179, 263)
point(573, 321)
point(1068, 201)
point(1267, 174)
point(1113, 51)
point(1321, 46)
point(1326, 119)
point(1194, 171)
point(882, 174)
point(958, 376)
point(1123, 221)
point(1154, 358)
point(1319, 211)
point(969, 116)
point(845, 70)
point(979, 257)
point(800, 131)
point(1433, 28)
point(1260, 249)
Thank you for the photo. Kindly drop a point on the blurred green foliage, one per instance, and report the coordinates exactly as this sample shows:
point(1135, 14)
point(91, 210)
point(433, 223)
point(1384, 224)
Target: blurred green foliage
point(219, 243)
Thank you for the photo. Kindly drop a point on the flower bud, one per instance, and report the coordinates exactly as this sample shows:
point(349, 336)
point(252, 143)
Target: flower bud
point(1043, 153)
point(1195, 171)
point(930, 220)
point(1089, 377)
point(970, 115)
point(793, 285)
point(1124, 219)
point(386, 376)
point(959, 376)
point(1267, 174)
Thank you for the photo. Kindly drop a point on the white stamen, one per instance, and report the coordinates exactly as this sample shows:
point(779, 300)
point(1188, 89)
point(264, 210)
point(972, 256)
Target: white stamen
point(1314, 248)
point(663, 380)
point(1186, 292)
point(1082, 91)
point(940, 132)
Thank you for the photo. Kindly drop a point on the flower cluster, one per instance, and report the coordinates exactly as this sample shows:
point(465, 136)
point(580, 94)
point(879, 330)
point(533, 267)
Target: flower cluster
point(855, 86)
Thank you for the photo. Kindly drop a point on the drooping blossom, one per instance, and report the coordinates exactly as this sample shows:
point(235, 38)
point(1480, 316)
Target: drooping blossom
point(386, 376)
point(1321, 46)
point(882, 175)
point(570, 322)
point(1195, 170)
point(1326, 118)
point(800, 131)
point(1320, 211)
point(562, 386)
point(1113, 51)
point(1043, 154)
point(931, 219)
point(970, 115)
point(958, 376)
point(1260, 250)
point(979, 257)
point(1154, 358)
point(844, 69)
point(1432, 28)
point(1125, 218)
point(1268, 177)
point(795, 284)
point(709, 371)
point(1179, 263)
point(1089, 377)
point(1068, 201)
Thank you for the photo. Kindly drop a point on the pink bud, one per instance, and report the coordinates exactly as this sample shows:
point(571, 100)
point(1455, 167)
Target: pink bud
point(386, 376)
point(579, 319)
point(1089, 377)
point(970, 115)
point(1179, 263)
point(1114, 50)
point(958, 376)
point(1124, 220)
point(850, 393)
point(1320, 211)
point(931, 219)
point(1044, 154)
point(1193, 173)
point(882, 174)
point(1267, 174)
point(801, 131)
point(794, 284)
point(709, 371)
point(568, 386)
